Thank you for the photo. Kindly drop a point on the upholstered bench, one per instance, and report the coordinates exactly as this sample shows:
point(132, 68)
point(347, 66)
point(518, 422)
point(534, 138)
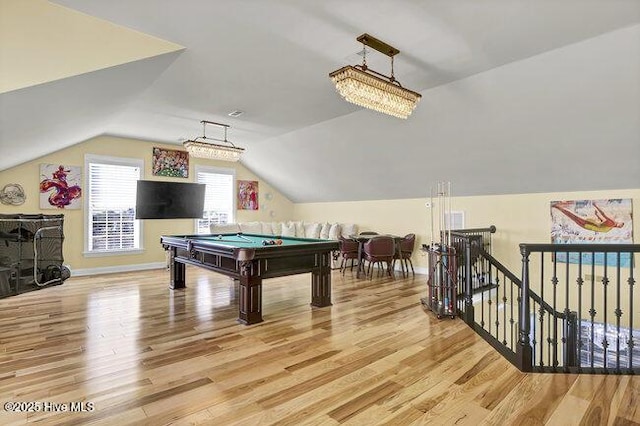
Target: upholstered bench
point(324, 231)
point(318, 230)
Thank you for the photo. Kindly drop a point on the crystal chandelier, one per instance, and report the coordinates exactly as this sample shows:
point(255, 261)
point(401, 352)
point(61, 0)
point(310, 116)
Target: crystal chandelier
point(365, 87)
point(213, 151)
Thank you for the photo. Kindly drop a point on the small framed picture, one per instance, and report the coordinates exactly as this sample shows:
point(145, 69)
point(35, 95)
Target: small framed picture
point(170, 162)
point(248, 195)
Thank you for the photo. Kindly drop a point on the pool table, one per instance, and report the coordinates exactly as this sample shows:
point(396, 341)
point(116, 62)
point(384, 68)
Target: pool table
point(245, 258)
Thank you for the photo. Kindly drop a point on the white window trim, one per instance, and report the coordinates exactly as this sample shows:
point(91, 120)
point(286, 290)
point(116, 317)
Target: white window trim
point(121, 161)
point(223, 170)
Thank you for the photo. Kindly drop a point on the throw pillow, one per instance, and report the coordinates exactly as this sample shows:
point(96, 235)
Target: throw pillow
point(349, 229)
point(299, 229)
point(334, 231)
point(251, 227)
point(227, 228)
point(324, 232)
point(266, 228)
point(312, 230)
point(276, 228)
point(289, 229)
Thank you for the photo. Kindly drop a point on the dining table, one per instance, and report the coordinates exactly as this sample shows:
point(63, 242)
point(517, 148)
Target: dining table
point(362, 239)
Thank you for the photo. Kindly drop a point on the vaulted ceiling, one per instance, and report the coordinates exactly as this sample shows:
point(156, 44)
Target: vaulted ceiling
point(518, 95)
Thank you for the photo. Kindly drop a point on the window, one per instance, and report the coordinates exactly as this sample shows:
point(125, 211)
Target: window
point(219, 199)
point(111, 226)
point(454, 219)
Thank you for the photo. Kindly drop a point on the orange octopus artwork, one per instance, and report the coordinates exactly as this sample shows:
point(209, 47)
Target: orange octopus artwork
point(59, 187)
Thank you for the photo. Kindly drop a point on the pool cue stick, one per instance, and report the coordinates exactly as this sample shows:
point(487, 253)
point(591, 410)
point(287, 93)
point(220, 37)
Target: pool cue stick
point(245, 238)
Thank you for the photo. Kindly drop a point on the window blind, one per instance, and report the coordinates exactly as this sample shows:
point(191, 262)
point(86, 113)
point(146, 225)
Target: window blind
point(218, 199)
point(111, 207)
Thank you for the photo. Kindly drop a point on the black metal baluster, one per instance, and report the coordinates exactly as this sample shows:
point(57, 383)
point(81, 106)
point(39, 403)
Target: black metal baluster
point(618, 312)
point(534, 340)
point(490, 312)
point(554, 340)
point(497, 323)
point(566, 335)
point(504, 309)
point(511, 320)
point(592, 311)
point(489, 299)
point(541, 310)
point(605, 341)
point(631, 282)
point(467, 304)
point(482, 304)
point(580, 282)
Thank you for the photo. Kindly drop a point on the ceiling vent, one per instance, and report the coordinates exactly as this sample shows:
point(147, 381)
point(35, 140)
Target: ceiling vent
point(236, 113)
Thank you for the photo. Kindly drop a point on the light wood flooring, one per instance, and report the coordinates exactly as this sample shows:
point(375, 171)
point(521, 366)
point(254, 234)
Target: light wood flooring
point(140, 353)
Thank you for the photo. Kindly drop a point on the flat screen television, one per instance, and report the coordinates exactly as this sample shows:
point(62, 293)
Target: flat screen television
point(169, 200)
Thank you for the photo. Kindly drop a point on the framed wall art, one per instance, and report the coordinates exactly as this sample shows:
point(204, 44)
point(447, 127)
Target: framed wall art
point(607, 221)
point(60, 186)
point(248, 195)
point(170, 162)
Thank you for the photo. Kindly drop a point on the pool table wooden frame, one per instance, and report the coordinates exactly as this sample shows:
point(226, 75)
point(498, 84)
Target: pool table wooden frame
point(250, 264)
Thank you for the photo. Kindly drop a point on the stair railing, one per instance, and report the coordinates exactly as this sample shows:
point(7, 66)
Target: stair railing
point(593, 286)
point(547, 321)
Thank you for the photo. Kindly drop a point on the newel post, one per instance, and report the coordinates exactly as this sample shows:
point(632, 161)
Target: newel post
point(524, 352)
point(572, 331)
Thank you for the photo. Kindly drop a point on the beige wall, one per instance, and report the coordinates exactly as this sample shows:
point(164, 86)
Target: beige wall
point(518, 218)
point(28, 175)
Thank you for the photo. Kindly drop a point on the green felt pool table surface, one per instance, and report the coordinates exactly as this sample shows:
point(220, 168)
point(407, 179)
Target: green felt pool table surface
point(251, 240)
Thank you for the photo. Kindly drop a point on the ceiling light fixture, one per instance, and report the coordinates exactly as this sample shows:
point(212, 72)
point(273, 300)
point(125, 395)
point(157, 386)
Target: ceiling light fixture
point(365, 87)
point(213, 151)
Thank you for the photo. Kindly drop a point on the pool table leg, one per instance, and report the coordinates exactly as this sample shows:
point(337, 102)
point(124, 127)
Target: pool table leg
point(321, 282)
point(176, 272)
point(250, 289)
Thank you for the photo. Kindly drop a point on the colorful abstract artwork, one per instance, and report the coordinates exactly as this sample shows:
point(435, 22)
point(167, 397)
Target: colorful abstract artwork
point(248, 195)
point(592, 222)
point(170, 163)
point(60, 186)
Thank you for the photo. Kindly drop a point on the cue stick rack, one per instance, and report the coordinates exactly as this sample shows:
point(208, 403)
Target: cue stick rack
point(442, 283)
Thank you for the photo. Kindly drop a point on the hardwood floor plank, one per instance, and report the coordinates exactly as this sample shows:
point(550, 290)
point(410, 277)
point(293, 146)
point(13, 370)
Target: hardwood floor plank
point(630, 403)
point(568, 411)
point(356, 405)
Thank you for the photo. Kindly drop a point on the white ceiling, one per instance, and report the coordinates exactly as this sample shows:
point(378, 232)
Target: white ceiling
point(271, 59)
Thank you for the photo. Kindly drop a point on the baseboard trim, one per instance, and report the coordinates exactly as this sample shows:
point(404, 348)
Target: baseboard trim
point(421, 270)
point(116, 269)
point(162, 265)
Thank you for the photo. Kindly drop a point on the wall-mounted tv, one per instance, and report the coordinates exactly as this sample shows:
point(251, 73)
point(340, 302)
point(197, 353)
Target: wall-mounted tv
point(169, 200)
